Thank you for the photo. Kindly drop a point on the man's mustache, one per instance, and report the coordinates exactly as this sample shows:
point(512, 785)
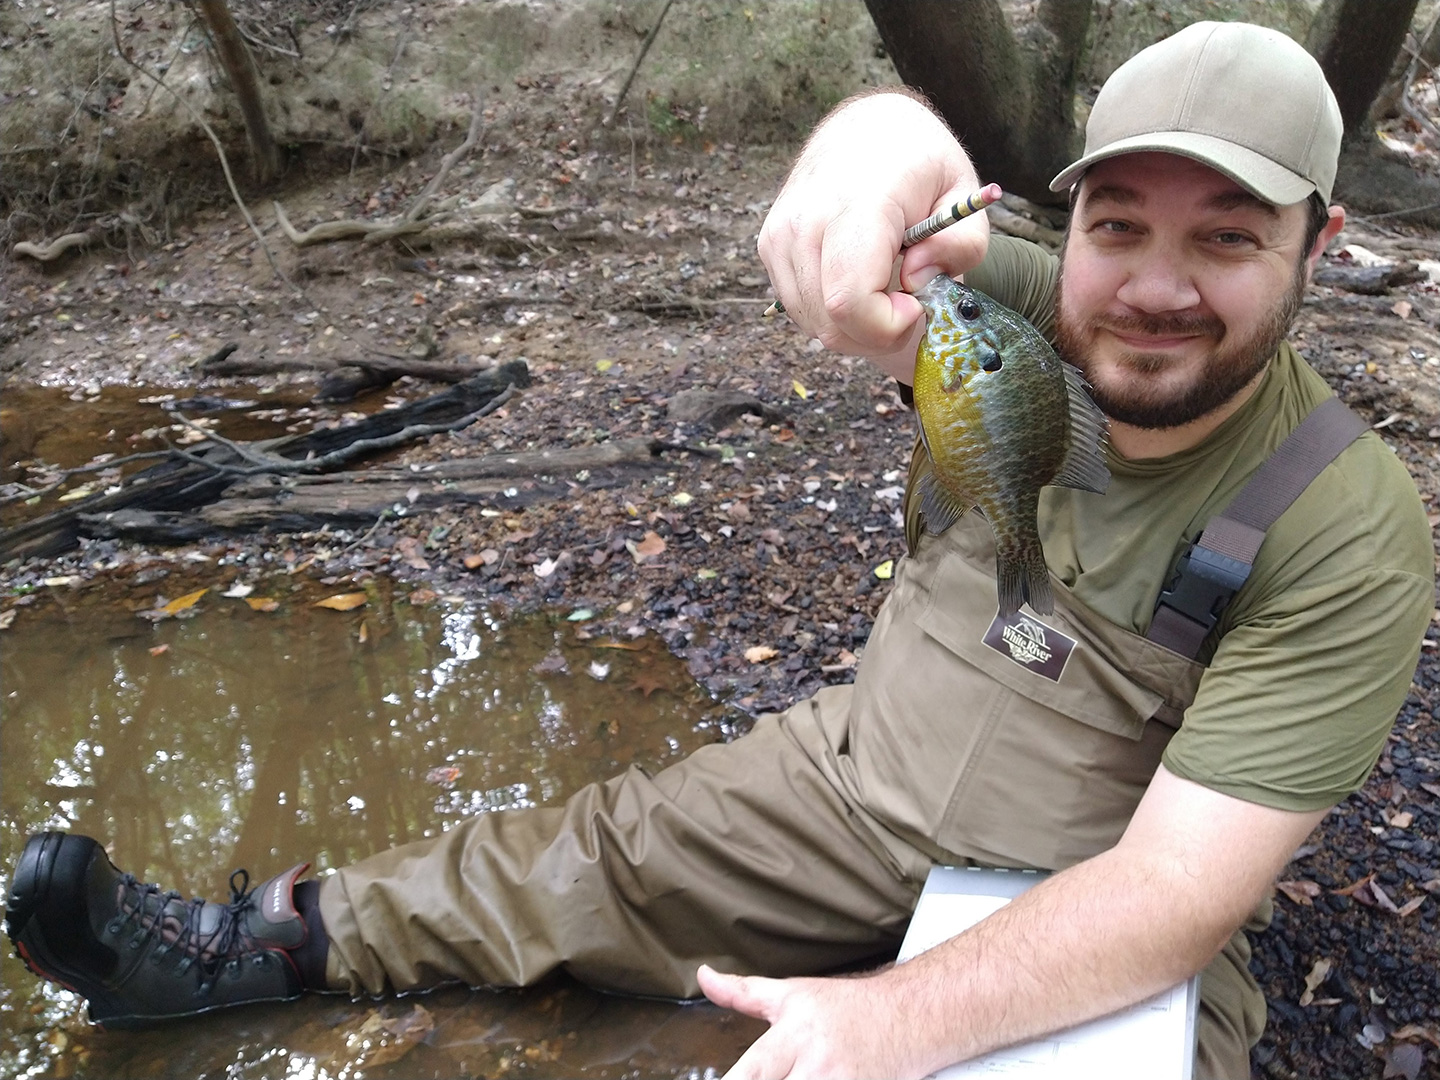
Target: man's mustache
point(1180, 324)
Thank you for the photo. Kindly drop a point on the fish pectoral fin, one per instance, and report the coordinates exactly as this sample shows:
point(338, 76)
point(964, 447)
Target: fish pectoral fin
point(941, 509)
point(1084, 465)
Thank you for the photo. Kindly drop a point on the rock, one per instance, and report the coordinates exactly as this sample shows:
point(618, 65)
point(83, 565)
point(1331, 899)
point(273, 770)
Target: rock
point(718, 408)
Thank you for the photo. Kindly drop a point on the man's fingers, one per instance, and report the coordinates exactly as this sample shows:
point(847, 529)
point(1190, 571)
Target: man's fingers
point(855, 276)
point(768, 1058)
point(748, 994)
point(953, 250)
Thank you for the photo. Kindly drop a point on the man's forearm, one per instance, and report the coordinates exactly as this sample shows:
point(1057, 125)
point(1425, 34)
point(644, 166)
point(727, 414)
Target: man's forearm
point(1096, 938)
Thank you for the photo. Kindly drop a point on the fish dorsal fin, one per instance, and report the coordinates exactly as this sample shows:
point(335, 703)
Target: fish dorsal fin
point(1084, 464)
point(941, 509)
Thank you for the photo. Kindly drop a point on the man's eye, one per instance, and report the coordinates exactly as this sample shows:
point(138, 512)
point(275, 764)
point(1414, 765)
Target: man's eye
point(1113, 227)
point(1231, 239)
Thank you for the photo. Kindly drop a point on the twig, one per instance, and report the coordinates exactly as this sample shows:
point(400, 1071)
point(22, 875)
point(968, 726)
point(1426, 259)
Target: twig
point(645, 48)
point(219, 149)
point(235, 448)
point(386, 513)
point(114, 463)
point(477, 121)
point(385, 85)
point(1398, 213)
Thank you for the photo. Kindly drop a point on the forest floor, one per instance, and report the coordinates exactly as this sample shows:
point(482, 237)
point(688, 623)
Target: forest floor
point(626, 276)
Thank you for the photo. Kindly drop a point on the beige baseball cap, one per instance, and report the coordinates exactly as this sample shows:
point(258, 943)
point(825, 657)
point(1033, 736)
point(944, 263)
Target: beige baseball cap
point(1246, 100)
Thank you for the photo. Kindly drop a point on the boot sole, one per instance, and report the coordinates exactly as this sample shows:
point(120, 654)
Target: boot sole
point(30, 893)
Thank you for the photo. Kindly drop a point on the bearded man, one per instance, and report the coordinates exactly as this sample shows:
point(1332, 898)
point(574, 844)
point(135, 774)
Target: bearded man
point(1165, 767)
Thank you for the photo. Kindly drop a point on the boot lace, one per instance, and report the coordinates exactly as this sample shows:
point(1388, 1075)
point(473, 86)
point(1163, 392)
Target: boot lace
point(223, 948)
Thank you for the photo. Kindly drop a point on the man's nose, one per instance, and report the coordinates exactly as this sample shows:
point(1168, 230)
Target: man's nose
point(1159, 281)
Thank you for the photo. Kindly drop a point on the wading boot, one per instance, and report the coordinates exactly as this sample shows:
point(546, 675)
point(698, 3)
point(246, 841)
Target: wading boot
point(138, 954)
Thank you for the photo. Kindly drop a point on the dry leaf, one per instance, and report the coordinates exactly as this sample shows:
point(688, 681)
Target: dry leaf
point(1317, 975)
point(1301, 892)
point(1411, 906)
point(421, 597)
point(799, 388)
point(363, 634)
point(444, 775)
point(1402, 308)
point(1353, 888)
point(1402, 820)
point(7, 619)
point(758, 654)
point(180, 603)
point(342, 601)
point(1404, 1059)
point(1382, 898)
point(262, 603)
point(885, 571)
point(650, 545)
point(546, 568)
point(1416, 1031)
point(159, 650)
point(238, 591)
point(628, 646)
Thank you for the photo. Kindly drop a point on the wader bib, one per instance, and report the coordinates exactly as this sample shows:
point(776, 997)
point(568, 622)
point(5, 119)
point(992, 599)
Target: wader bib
point(803, 846)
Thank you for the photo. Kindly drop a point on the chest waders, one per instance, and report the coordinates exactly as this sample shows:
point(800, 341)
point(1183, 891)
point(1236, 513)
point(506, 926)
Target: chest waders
point(803, 846)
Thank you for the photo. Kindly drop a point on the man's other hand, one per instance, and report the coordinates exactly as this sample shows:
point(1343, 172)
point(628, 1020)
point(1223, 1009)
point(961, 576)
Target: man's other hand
point(876, 166)
point(828, 1029)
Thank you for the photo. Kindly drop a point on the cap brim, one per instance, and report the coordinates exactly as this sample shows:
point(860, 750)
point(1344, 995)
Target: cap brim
point(1254, 172)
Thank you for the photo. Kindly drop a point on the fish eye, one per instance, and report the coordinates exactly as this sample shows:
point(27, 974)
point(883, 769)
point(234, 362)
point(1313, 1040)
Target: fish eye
point(969, 309)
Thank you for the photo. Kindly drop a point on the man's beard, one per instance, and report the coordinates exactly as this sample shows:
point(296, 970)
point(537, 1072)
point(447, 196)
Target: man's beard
point(1229, 368)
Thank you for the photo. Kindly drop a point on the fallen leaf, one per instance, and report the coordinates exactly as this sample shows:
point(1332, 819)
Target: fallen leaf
point(598, 670)
point(518, 535)
point(650, 545)
point(1433, 789)
point(1382, 899)
point(180, 603)
point(409, 548)
point(1416, 1031)
point(681, 498)
point(799, 388)
point(1318, 974)
point(583, 614)
point(604, 365)
point(262, 603)
point(1404, 1059)
point(363, 634)
point(626, 645)
point(7, 619)
point(238, 591)
point(1411, 906)
point(553, 664)
point(82, 492)
point(647, 682)
point(886, 570)
point(385, 1040)
point(444, 775)
point(758, 654)
point(1401, 820)
point(421, 597)
point(342, 601)
point(1354, 887)
point(1402, 308)
point(1301, 892)
point(546, 568)
point(159, 650)
point(706, 574)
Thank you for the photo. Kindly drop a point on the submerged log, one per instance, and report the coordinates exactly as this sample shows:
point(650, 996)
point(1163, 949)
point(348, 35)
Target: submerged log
point(203, 473)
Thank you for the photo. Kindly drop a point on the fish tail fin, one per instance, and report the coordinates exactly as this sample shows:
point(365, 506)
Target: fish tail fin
point(1022, 577)
point(1084, 465)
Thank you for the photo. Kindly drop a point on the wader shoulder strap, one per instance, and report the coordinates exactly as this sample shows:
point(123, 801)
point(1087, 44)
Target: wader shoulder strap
point(1213, 568)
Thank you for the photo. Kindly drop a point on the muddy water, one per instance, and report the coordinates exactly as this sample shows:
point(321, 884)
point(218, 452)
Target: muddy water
point(237, 737)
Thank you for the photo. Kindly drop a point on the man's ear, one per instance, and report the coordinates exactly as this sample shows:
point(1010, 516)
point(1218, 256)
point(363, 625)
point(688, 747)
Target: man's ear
point(1329, 232)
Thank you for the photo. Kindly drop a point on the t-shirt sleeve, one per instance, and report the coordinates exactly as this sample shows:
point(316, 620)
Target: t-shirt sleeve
point(1294, 708)
point(1020, 275)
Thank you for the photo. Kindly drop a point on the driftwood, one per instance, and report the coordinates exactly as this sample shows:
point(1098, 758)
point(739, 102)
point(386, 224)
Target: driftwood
point(1007, 221)
point(1370, 280)
point(355, 500)
point(51, 251)
point(203, 473)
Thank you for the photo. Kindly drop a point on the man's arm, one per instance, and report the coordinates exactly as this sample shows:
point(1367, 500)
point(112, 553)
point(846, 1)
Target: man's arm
point(1109, 932)
point(879, 163)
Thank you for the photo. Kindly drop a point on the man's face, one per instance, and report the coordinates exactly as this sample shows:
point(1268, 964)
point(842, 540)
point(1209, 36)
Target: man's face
point(1177, 286)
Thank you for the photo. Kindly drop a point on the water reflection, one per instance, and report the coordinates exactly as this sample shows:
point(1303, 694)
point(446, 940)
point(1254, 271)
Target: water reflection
point(245, 738)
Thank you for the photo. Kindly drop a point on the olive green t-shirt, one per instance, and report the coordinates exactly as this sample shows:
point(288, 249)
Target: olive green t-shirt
point(1316, 651)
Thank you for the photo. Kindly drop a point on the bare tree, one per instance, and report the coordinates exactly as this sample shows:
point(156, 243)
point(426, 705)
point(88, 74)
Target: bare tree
point(240, 68)
point(1356, 42)
point(1008, 91)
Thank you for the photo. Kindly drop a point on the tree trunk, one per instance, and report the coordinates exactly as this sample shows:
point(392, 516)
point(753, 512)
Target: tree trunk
point(1007, 92)
point(240, 68)
point(1356, 42)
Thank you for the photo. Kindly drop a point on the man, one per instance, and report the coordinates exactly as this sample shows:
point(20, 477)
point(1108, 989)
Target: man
point(1166, 791)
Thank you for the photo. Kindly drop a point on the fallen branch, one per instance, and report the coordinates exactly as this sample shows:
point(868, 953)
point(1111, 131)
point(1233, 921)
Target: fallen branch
point(1007, 221)
point(49, 252)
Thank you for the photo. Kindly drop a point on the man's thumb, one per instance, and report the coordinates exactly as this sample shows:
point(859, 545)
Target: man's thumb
point(748, 994)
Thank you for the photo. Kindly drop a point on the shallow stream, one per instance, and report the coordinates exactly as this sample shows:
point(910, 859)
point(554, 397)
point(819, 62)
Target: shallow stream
point(230, 737)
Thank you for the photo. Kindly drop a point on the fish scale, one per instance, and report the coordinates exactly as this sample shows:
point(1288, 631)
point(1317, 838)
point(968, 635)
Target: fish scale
point(1001, 416)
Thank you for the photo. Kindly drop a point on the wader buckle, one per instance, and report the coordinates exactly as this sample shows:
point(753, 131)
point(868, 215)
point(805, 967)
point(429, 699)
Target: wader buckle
point(1203, 584)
